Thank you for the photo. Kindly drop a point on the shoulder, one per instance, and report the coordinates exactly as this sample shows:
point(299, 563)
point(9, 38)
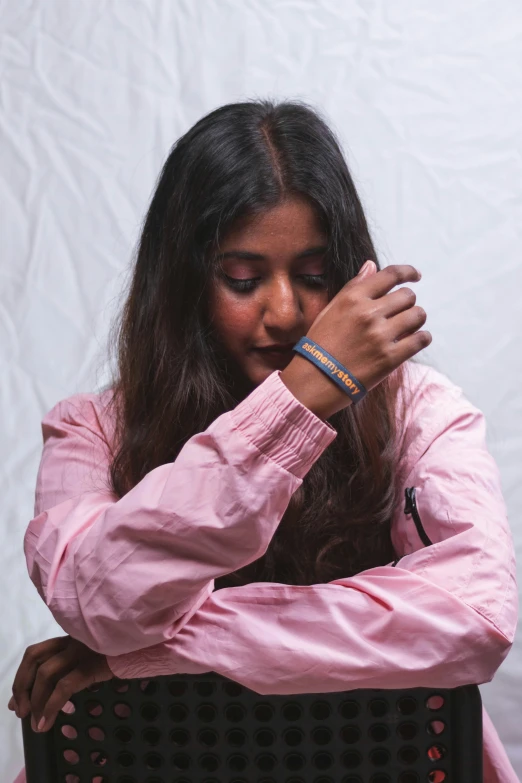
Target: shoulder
point(429, 404)
point(87, 415)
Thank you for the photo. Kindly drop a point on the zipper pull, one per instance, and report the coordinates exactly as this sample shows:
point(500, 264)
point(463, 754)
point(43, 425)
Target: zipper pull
point(410, 499)
point(411, 508)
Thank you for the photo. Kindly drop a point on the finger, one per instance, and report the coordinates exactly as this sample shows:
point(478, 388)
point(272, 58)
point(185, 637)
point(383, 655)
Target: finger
point(47, 676)
point(382, 282)
point(34, 655)
point(407, 322)
point(75, 680)
point(400, 300)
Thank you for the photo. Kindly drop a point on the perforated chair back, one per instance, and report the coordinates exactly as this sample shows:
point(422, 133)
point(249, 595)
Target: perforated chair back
point(209, 729)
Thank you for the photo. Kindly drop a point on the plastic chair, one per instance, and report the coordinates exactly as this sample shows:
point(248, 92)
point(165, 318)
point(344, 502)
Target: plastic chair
point(206, 728)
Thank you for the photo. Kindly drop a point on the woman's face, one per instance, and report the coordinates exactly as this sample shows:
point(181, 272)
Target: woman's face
point(276, 251)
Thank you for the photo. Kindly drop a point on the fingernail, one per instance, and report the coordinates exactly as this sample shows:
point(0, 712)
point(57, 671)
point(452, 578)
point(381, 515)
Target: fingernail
point(41, 724)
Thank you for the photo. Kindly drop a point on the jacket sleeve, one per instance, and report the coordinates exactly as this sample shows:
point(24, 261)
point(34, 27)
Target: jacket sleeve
point(444, 616)
point(123, 574)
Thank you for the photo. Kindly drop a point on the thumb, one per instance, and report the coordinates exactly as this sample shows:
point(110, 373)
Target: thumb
point(368, 268)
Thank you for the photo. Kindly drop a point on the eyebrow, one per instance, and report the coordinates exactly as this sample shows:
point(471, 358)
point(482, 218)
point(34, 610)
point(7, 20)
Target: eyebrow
point(246, 255)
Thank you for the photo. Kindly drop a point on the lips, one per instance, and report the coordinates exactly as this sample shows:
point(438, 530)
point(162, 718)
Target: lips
point(274, 355)
point(277, 348)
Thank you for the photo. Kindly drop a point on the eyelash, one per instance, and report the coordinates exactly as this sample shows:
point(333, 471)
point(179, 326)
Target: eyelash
point(315, 281)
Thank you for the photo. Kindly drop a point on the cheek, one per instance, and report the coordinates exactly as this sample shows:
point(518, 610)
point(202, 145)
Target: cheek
point(232, 320)
point(316, 305)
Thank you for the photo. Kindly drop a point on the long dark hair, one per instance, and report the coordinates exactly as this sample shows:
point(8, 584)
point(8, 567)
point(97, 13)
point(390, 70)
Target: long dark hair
point(174, 377)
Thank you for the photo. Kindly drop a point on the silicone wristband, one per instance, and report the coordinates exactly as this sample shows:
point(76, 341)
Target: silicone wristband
point(331, 367)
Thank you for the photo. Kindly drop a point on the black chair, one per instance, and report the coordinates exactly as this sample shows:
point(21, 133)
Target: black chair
point(206, 728)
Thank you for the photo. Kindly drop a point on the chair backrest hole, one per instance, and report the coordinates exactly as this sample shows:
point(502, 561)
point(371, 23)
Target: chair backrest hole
point(237, 762)
point(71, 756)
point(350, 734)
point(266, 737)
point(151, 735)
point(208, 712)
point(148, 687)
point(153, 760)
point(408, 755)
point(178, 713)
point(435, 701)
point(407, 705)
point(233, 689)
point(263, 712)
point(351, 759)
point(149, 712)
point(379, 756)
point(205, 689)
point(68, 731)
point(208, 737)
point(295, 762)
point(436, 727)
point(407, 731)
point(93, 708)
point(125, 759)
point(408, 777)
point(322, 760)
point(378, 707)
point(265, 762)
point(98, 758)
point(436, 752)
point(121, 710)
point(123, 734)
point(321, 735)
point(437, 776)
point(320, 710)
point(379, 732)
point(292, 711)
point(209, 762)
point(180, 761)
point(120, 686)
point(96, 733)
point(349, 709)
point(177, 687)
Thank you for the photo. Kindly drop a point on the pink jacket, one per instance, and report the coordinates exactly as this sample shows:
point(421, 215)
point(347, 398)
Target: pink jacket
point(134, 578)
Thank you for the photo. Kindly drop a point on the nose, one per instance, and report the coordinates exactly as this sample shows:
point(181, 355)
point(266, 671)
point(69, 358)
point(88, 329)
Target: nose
point(283, 308)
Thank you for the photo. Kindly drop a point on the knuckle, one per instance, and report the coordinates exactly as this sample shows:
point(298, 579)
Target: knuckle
point(366, 318)
point(46, 670)
point(398, 271)
point(64, 686)
point(31, 652)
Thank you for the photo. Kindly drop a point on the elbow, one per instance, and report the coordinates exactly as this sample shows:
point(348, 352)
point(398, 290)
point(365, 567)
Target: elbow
point(115, 627)
point(489, 653)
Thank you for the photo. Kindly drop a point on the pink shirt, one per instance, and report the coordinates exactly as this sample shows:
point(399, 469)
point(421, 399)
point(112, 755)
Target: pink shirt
point(134, 578)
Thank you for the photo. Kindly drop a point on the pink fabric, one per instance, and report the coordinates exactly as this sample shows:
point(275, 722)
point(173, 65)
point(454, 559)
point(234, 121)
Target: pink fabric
point(134, 578)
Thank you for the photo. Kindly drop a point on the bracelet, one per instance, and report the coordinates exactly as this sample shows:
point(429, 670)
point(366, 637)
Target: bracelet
point(331, 367)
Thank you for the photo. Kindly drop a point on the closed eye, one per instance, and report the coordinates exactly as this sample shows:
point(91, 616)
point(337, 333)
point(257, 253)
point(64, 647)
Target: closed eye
point(248, 284)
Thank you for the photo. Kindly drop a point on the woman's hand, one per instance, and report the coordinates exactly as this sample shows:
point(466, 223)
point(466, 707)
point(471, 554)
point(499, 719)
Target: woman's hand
point(49, 674)
point(367, 329)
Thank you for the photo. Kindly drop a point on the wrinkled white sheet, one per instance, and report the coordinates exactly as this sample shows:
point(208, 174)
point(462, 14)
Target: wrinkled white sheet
point(426, 100)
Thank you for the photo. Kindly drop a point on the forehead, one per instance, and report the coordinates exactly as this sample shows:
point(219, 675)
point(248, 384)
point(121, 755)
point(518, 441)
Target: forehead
point(292, 223)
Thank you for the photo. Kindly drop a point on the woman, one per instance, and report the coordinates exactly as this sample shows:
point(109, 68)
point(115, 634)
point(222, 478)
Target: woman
point(219, 478)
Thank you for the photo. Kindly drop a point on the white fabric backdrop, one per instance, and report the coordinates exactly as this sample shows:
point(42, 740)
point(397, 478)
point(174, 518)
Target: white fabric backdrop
point(426, 98)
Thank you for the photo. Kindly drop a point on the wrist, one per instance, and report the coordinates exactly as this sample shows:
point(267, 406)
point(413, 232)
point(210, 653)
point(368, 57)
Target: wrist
point(313, 389)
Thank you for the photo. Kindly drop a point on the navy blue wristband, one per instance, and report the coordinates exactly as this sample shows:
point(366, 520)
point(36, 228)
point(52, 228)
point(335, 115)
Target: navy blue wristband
point(331, 367)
